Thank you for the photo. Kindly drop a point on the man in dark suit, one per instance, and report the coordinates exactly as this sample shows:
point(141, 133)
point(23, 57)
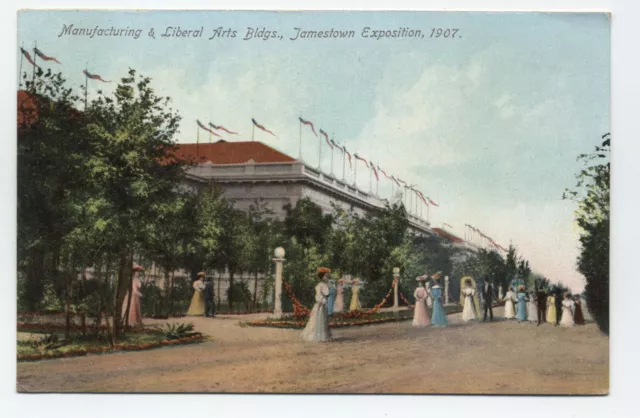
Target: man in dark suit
point(541, 299)
point(210, 306)
point(559, 299)
point(487, 297)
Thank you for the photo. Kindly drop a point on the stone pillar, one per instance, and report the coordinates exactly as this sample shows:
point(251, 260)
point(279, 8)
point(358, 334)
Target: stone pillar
point(446, 290)
point(396, 279)
point(278, 259)
point(500, 294)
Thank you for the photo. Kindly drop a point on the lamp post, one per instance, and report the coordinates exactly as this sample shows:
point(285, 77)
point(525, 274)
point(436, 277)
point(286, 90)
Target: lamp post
point(278, 260)
point(446, 290)
point(396, 279)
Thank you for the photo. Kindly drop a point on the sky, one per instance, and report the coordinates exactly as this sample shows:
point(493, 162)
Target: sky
point(488, 123)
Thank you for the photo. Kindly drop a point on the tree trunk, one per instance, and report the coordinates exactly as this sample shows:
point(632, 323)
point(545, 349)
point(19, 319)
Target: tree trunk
point(167, 288)
point(173, 275)
point(99, 276)
point(119, 292)
point(255, 292)
point(67, 312)
point(230, 291)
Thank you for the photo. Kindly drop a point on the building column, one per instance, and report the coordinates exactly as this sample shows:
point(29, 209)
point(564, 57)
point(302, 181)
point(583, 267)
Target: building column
point(278, 260)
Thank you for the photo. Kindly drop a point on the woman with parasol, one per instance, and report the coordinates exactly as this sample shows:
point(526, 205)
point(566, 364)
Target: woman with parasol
point(469, 299)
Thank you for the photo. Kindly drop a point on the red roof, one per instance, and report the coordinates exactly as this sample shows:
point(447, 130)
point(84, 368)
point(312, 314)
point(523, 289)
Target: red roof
point(447, 235)
point(223, 152)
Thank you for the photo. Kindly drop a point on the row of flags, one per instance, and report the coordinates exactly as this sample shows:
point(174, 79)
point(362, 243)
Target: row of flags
point(375, 168)
point(483, 235)
point(39, 54)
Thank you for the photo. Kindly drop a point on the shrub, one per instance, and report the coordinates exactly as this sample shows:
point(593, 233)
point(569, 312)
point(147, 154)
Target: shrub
point(179, 331)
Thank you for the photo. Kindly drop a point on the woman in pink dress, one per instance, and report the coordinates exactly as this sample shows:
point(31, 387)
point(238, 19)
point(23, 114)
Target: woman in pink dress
point(338, 305)
point(420, 314)
point(135, 312)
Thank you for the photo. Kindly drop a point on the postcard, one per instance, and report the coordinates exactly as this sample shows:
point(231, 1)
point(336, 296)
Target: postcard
point(313, 202)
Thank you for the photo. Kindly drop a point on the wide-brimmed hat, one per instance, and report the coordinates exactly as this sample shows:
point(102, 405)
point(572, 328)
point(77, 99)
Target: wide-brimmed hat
point(138, 268)
point(421, 278)
point(324, 270)
point(201, 274)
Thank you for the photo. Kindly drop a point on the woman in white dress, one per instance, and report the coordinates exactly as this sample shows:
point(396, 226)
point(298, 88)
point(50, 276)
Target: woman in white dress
point(566, 320)
point(317, 328)
point(469, 312)
point(532, 308)
point(509, 308)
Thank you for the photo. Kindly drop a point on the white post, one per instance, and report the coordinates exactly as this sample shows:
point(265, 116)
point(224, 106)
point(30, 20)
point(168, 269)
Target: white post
point(446, 290)
point(500, 294)
point(396, 279)
point(278, 259)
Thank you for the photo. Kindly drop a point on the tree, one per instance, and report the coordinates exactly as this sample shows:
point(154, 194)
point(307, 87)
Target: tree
point(592, 196)
point(132, 169)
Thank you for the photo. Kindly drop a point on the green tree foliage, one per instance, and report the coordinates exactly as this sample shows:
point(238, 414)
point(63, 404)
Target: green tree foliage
point(592, 196)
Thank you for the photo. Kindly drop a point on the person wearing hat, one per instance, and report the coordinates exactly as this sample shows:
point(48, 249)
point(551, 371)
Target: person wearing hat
point(438, 316)
point(521, 310)
point(420, 314)
point(467, 298)
point(317, 328)
point(197, 307)
point(210, 306)
point(332, 296)
point(509, 307)
point(354, 305)
point(567, 311)
point(338, 305)
point(551, 308)
point(135, 308)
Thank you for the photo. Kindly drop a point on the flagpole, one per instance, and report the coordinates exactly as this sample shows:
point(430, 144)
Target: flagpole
point(198, 141)
point(33, 76)
point(377, 181)
point(343, 157)
point(332, 137)
point(86, 86)
point(20, 73)
point(253, 130)
point(319, 153)
point(355, 173)
point(300, 141)
point(370, 180)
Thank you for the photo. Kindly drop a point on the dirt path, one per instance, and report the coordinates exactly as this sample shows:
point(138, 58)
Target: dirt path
point(500, 357)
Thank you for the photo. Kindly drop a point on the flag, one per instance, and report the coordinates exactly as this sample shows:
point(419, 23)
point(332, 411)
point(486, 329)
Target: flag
point(432, 202)
point(375, 172)
point(446, 224)
point(402, 181)
point(43, 56)
point(383, 172)
point(205, 128)
point(349, 155)
point(257, 125)
point(361, 159)
point(396, 180)
point(336, 145)
point(28, 57)
point(326, 137)
point(222, 128)
point(94, 76)
point(306, 122)
point(421, 196)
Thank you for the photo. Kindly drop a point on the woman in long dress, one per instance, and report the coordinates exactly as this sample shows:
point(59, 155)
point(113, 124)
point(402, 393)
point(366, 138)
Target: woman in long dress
point(135, 309)
point(578, 316)
point(567, 311)
point(355, 300)
point(317, 329)
point(338, 306)
point(521, 312)
point(469, 312)
point(332, 298)
point(420, 314)
point(509, 310)
point(438, 316)
point(197, 307)
point(532, 308)
point(551, 310)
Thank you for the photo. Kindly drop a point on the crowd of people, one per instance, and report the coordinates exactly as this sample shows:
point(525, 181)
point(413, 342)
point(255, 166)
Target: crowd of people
point(536, 306)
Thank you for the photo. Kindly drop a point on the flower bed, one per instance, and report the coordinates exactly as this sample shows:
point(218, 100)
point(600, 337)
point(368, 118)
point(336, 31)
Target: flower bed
point(48, 327)
point(107, 349)
point(293, 322)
